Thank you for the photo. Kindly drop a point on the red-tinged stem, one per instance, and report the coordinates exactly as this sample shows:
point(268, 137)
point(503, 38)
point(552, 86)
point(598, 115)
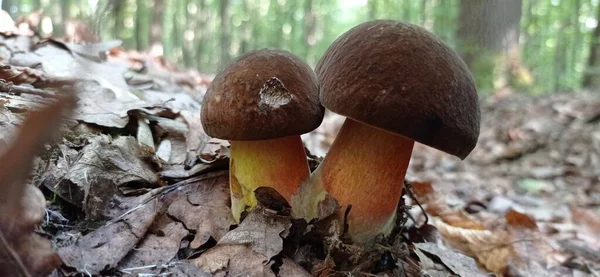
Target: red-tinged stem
point(365, 167)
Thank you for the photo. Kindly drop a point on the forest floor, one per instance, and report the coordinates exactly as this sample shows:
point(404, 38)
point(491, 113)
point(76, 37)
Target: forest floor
point(134, 187)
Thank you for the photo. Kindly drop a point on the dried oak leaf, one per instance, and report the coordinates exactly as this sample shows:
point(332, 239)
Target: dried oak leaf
point(520, 220)
point(234, 260)
point(458, 263)
point(106, 246)
point(589, 219)
point(492, 249)
point(98, 170)
point(247, 249)
point(262, 230)
point(102, 105)
point(205, 209)
point(158, 247)
point(435, 204)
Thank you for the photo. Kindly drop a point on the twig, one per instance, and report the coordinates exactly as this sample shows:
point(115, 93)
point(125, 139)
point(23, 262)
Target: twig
point(346, 226)
point(16, 89)
point(165, 190)
point(408, 187)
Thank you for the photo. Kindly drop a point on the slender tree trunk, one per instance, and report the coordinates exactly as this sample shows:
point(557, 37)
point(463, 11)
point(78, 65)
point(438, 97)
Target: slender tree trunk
point(372, 9)
point(224, 39)
point(488, 30)
point(118, 17)
point(246, 29)
point(139, 23)
point(156, 27)
point(199, 37)
point(188, 48)
point(6, 4)
point(406, 14)
point(576, 33)
point(592, 74)
point(310, 19)
point(423, 12)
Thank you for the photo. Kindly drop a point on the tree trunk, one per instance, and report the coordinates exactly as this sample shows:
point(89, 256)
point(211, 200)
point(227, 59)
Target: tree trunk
point(489, 30)
point(310, 20)
point(371, 8)
point(592, 77)
point(6, 4)
point(156, 27)
point(246, 29)
point(118, 13)
point(139, 23)
point(224, 39)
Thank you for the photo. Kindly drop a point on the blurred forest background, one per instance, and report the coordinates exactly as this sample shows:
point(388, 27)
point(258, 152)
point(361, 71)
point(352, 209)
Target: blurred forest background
point(530, 46)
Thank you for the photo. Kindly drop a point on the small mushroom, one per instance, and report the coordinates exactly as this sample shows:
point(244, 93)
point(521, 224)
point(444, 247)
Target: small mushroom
point(262, 102)
point(396, 84)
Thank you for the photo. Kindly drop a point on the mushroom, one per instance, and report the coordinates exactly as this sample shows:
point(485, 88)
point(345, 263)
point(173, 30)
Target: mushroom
point(395, 83)
point(262, 102)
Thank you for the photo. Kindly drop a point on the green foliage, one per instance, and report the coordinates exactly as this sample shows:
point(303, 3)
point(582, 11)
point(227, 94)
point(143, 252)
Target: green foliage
point(555, 35)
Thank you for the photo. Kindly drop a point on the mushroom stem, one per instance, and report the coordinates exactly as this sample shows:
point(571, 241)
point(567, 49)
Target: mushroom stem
point(278, 163)
point(365, 167)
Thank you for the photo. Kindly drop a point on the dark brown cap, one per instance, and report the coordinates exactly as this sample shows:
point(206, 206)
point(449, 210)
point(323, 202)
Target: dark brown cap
point(262, 94)
point(400, 78)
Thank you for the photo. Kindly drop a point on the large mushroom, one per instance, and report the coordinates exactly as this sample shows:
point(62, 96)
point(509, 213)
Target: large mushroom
point(262, 102)
point(395, 83)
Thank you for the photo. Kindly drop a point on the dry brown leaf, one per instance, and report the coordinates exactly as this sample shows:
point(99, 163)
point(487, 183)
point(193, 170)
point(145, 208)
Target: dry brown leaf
point(519, 220)
point(292, 269)
point(457, 262)
point(158, 247)
point(106, 246)
point(435, 205)
point(492, 250)
point(99, 169)
point(587, 218)
point(205, 209)
point(234, 260)
point(22, 206)
point(262, 230)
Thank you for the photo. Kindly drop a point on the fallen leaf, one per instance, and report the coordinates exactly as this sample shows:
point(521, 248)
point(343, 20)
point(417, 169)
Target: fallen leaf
point(106, 246)
point(159, 246)
point(105, 107)
point(204, 208)
point(292, 269)
point(589, 219)
point(519, 220)
point(459, 264)
point(262, 230)
point(102, 167)
point(492, 250)
point(234, 260)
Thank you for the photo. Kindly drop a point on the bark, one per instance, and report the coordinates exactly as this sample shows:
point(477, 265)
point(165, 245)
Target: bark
point(139, 23)
point(6, 4)
point(118, 13)
point(156, 27)
point(592, 76)
point(224, 39)
point(488, 34)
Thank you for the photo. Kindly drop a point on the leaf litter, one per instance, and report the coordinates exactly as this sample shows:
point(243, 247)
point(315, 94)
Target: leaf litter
point(135, 186)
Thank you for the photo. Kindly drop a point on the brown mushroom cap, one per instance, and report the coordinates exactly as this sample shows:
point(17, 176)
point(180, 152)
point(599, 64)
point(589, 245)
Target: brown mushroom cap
point(400, 78)
point(262, 94)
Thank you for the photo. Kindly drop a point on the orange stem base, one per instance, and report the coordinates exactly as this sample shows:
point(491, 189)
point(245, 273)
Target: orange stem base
point(365, 167)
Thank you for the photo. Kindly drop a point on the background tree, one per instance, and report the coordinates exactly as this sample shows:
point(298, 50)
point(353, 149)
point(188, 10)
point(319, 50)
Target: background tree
point(532, 46)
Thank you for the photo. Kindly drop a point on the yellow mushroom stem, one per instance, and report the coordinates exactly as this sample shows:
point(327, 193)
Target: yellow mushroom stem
point(365, 167)
point(278, 163)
